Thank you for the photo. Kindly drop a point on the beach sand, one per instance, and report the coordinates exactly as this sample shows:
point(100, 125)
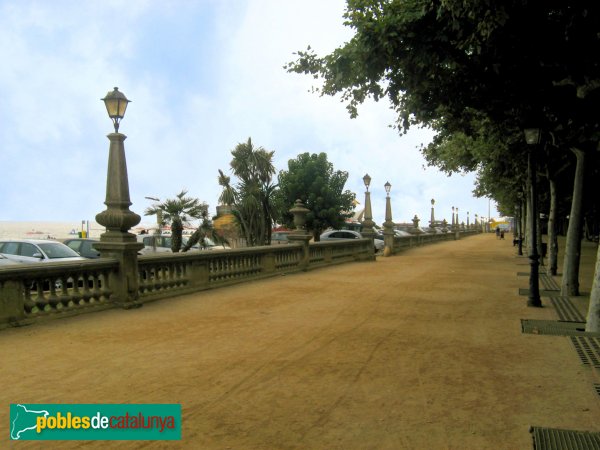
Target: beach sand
point(52, 230)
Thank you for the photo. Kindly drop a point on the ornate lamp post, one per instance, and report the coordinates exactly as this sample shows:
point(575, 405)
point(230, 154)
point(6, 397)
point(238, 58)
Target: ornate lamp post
point(476, 223)
point(367, 224)
point(388, 225)
point(533, 139)
point(117, 242)
point(468, 225)
point(432, 219)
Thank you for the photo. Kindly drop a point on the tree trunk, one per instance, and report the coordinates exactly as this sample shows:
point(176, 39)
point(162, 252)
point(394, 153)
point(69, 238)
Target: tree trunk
point(538, 234)
point(528, 229)
point(593, 315)
point(176, 234)
point(570, 278)
point(552, 235)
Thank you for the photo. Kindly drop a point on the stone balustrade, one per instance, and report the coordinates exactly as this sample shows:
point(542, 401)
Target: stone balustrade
point(33, 292)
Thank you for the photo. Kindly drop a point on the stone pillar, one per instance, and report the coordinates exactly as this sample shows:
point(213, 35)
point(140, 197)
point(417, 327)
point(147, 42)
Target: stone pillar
point(468, 225)
point(453, 220)
point(299, 235)
point(116, 241)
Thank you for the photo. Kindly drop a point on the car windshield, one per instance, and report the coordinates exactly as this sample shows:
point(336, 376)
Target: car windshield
point(55, 250)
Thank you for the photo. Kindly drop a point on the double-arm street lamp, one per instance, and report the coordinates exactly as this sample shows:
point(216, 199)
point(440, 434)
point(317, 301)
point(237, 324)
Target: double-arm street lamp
point(533, 139)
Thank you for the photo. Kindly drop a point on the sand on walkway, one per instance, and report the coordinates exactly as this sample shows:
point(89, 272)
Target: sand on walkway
point(422, 350)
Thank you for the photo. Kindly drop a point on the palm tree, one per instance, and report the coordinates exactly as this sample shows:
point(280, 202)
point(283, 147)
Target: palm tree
point(177, 212)
point(253, 197)
point(204, 231)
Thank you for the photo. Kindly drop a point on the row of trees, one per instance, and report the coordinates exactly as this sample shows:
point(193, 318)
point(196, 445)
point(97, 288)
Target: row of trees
point(258, 202)
point(479, 73)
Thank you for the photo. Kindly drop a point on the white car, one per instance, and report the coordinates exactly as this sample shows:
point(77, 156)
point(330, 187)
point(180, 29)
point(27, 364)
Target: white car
point(336, 235)
point(154, 243)
point(37, 250)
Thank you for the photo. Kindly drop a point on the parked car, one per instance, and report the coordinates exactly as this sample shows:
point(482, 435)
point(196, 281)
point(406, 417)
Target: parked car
point(83, 246)
point(4, 261)
point(37, 250)
point(336, 235)
point(155, 243)
point(401, 233)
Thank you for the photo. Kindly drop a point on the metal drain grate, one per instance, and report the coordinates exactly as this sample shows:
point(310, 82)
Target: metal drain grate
point(543, 292)
point(566, 310)
point(549, 282)
point(588, 350)
point(557, 439)
point(556, 328)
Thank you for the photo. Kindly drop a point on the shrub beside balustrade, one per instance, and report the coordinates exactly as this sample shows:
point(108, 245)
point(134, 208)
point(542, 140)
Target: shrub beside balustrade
point(46, 290)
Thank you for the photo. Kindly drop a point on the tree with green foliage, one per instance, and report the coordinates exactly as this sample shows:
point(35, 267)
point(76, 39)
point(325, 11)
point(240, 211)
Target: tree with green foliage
point(444, 63)
point(312, 179)
point(177, 212)
point(253, 196)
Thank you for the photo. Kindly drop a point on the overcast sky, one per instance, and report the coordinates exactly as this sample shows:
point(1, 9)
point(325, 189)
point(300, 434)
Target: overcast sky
point(203, 76)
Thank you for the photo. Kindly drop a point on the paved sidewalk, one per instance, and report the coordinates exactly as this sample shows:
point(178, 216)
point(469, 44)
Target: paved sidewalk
point(422, 350)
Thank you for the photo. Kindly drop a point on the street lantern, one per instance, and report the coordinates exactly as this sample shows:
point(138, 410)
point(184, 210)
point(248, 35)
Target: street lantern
point(387, 187)
point(532, 135)
point(116, 104)
point(367, 181)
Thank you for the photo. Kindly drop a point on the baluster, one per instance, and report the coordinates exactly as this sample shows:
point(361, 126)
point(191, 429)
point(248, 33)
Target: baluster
point(40, 300)
point(87, 293)
point(53, 299)
point(65, 297)
point(96, 291)
point(28, 304)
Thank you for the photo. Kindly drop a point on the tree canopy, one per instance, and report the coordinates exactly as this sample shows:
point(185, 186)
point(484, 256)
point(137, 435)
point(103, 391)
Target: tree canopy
point(312, 179)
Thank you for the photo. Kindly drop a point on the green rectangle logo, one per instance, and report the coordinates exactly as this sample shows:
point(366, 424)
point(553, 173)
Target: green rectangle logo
point(50, 422)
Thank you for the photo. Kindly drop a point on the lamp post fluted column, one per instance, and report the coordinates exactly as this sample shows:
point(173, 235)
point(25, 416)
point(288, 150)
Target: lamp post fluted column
point(388, 225)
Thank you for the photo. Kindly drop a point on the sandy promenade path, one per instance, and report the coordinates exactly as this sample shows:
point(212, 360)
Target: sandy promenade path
point(422, 350)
